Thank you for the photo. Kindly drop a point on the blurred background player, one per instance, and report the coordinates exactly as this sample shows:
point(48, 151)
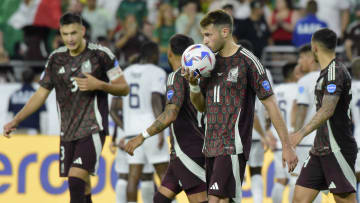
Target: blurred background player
point(121, 160)
point(285, 95)
point(331, 164)
point(140, 108)
point(37, 122)
point(306, 108)
point(186, 169)
point(81, 85)
point(355, 111)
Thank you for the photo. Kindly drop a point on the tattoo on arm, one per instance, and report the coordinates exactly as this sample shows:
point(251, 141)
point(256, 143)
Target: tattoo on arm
point(327, 109)
point(164, 119)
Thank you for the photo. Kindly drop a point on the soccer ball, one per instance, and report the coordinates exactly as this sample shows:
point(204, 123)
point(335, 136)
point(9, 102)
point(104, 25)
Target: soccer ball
point(198, 58)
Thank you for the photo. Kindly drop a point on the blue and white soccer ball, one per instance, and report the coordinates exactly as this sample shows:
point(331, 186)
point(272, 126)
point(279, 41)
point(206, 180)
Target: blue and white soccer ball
point(199, 58)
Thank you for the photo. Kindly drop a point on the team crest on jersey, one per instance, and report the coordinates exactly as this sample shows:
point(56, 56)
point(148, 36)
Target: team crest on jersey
point(233, 75)
point(170, 94)
point(266, 85)
point(86, 67)
point(331, 88)
point(301, 89)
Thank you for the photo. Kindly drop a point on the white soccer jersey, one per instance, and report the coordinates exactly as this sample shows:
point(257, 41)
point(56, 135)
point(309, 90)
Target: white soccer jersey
point(355, 109)
point(261, 111)
point(143, 80)
point(306, 95)
point(285, 96)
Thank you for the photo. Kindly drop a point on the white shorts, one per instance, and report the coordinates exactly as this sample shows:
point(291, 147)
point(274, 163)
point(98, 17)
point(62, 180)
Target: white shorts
point(256, 157)
point(302, 153)
point(280, 171)
point(357, 163)
point(149, 152)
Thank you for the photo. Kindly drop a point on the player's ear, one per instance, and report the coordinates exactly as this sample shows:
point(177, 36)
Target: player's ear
point(83, 30)
point(225, 31)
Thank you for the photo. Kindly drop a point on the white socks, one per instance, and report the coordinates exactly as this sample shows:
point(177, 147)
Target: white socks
point(257, 188)
point(277, 193)
point(120, 191)
point(147, 191)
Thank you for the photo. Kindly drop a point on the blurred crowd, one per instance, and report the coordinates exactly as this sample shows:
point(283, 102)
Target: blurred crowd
point(123, 25)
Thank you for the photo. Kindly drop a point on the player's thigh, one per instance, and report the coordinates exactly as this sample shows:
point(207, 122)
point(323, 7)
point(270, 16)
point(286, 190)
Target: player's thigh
point(312, 174)
point(170, 184)
point(121, 162)
point(216, 199)
point(197, 197)
point(304, 195)
point(224, 175)
point(256, 157)
point(153, 153)
point(345, 198)
point(66, 157)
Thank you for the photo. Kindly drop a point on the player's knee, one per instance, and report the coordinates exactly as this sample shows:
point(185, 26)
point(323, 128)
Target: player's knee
point(160, 198)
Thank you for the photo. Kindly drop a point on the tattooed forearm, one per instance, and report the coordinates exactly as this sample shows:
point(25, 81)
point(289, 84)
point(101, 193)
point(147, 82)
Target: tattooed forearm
point(323, 114)
point(300, 116)
point(164, 119)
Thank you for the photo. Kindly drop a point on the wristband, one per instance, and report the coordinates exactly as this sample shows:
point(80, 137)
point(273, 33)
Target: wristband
point(145, 134)
point(194, 88)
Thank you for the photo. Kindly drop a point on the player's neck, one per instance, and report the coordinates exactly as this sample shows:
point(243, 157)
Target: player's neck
point(80, 49)
point(229, 49)
point(176, 65)
point(325, 59)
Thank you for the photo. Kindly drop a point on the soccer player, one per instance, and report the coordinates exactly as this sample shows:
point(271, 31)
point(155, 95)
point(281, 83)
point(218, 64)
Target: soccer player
point(186, 169)
point(285, 95)
point(228, 99)
point(140, 108)
point(332, 157)
point(121, 159)
point(82, 74)
point(355, 111)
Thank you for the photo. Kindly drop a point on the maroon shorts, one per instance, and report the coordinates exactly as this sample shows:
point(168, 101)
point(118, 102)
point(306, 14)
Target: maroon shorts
point(180, 177)
point(329, 172)
point(224, 176)
point(83, 153)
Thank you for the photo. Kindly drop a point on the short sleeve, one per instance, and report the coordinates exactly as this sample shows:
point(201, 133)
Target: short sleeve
point(258, 78)
point(343, 5)
point(175, 89)
point(335, 82)
point(158, 81)
point(46, 76)
point(302, 94)
point(110, 65)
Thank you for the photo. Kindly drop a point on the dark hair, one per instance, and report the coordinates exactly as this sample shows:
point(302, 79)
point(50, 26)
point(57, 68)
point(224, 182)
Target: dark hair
point(289, 4)
point(148, 51)
point(246, 44)
point(304, 49)
point(256, 4)
point(179, 42)
point(217, 17)
point(288, 69)
point(28, 76)
point(355, 68)
point(311, 7)
point(228, 6)
point(326, 37)
point(70, 18)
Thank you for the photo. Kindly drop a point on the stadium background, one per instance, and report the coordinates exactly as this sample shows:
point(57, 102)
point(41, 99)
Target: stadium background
point(28, 164)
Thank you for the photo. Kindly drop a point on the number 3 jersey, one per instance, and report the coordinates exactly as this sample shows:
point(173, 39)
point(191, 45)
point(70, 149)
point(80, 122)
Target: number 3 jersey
point(143, 80)
point(82, 113)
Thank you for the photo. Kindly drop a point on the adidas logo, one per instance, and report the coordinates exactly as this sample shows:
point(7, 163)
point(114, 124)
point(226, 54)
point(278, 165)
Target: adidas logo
point(332, 185)
point(62, 70)
point(78, 161)
point(214, 186)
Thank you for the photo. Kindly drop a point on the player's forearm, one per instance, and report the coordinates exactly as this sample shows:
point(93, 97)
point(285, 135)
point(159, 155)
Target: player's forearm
point(258, 127)
point(164, 120)
point(277, 120)
point(345, 18)
point(117, 119)
point(300, 116)
point(34, 103)
point(116, 89)
point(198, 100)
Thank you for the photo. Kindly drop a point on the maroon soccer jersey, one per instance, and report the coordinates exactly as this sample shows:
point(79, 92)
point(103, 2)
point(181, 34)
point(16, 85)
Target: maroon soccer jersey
point(230, 99)
point(335, 134)
point(82, 113)
point(187, 130)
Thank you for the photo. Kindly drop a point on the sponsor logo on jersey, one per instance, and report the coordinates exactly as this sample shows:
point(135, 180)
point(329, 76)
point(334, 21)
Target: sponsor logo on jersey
point(78, 161)
point(332, 185)
point(266, 85)
point(62, 70)
point(301, 89)
point(170, 94)
point(214, 186)
point(331, 88)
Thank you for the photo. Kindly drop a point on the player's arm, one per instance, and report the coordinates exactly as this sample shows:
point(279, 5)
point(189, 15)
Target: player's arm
point(300, 116)
point(116, 106)
point(196, 97)
point(34, 103)
point(327, 109)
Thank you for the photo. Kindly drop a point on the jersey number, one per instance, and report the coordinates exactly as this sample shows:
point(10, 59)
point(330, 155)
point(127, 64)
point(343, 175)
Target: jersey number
point(282, 107)
point(134, 99)
point(74, 86)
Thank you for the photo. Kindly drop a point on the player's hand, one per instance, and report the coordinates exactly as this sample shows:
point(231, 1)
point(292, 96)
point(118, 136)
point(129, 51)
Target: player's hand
point(121, 144)
point(9, 128)
point(112, 147)
point(289, 157)
point(133, 144)
point(191, 76)
point(295, 139)
point(161, 140)
point(89, 83)
point(265, 142)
